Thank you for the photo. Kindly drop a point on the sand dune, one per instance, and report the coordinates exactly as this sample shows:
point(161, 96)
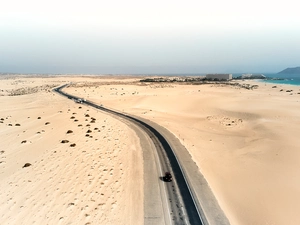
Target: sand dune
point(244, 141)
point(84, 180)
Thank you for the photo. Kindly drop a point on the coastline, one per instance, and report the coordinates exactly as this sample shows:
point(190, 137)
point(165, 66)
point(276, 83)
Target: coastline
point(290, 81)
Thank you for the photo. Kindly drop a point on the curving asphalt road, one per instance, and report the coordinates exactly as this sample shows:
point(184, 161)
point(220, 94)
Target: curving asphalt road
point(183, 207)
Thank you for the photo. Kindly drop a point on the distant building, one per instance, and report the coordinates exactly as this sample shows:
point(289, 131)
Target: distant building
point(219, 76)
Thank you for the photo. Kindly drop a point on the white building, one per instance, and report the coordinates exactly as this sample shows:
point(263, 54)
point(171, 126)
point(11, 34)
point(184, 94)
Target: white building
point(219, 76)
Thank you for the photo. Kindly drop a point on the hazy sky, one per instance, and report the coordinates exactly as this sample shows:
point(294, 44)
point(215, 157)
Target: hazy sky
point(148, 36)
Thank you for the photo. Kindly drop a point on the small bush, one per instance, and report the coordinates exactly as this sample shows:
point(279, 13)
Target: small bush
point(27, 165)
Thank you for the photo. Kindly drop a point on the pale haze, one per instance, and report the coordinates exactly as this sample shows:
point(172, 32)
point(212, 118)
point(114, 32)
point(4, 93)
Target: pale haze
point(135, 37)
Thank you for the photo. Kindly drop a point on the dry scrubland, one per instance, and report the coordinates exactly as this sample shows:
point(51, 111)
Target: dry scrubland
point(245, 142)
point(64, 163)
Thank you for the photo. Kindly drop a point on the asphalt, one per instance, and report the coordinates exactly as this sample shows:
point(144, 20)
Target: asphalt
point(188, 198)
point(207, 204)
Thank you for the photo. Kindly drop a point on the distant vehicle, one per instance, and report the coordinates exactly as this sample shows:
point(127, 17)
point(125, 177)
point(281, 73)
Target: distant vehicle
point(168, 177)
point(79, 100)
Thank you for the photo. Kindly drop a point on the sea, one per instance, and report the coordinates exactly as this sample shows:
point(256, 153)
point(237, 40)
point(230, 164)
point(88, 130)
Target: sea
point(275, 78)
point(290, 79)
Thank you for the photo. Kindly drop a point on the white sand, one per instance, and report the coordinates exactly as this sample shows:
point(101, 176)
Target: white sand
point(245, 142)
point(99, 181)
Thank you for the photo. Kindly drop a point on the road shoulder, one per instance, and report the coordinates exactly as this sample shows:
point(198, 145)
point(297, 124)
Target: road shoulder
point(204, 196)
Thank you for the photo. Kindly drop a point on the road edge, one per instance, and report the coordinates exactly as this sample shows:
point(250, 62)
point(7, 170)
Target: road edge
point(204, 197)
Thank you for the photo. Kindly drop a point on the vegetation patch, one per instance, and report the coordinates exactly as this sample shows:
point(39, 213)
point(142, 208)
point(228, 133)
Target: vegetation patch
point(27, 165)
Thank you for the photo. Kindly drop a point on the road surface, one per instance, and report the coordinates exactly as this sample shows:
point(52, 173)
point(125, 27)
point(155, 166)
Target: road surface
point(179, 203)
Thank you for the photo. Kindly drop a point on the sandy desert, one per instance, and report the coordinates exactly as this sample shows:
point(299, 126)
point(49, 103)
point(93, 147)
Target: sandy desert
point(65, 163)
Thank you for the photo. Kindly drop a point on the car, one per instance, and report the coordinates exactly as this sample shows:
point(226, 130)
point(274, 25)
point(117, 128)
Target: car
point(168, 177)
point(79, 100)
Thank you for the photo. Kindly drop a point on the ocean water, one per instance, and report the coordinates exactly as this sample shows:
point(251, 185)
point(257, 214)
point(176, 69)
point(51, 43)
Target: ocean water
point(275, 78)
point(283, 79)
point(291, 81)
